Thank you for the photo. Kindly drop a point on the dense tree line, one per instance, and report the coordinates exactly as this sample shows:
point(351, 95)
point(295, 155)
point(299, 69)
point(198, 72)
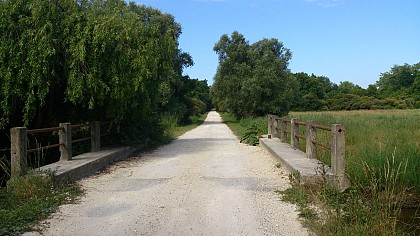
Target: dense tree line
point(253, 80)
point(398, 88)
point(84, 60)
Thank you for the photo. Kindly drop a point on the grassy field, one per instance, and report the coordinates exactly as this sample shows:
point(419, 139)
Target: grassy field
point(383, 163)
point(376, 137)
point(372, 138)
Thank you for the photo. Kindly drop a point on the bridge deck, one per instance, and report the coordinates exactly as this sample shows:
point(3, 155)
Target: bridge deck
point(87, 163)
point(295, 160)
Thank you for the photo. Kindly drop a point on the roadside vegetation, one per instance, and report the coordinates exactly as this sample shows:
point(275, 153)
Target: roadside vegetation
point(173, 129)
point(246, 129)
point(29, 199)
point(382, 153)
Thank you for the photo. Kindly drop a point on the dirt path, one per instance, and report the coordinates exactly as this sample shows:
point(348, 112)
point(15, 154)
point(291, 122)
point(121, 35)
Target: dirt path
point(204, 183)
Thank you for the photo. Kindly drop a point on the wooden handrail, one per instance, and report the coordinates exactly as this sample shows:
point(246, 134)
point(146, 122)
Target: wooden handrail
point(337, 138)
point(321, 127)
point(300, 123)
point(301, 137)
point(19, 143)
point(44, 130)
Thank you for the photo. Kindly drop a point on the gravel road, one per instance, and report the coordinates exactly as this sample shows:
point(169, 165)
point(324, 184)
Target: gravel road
point(203, 183)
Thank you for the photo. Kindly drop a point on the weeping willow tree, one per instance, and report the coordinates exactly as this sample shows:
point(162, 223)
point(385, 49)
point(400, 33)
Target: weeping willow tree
point(67, 60)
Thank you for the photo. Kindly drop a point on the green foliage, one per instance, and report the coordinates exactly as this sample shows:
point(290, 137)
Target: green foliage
point(400, 80)
point(168, 123)
point(28, 199)
point(301, 198)
point(79, 61)
point(183, 128)
point(252, 80)
point(246, 129)
point(367, 208)
point(174, 128)
point(5, 168)
point(251, 135)
point(396, 89)
point(312, 92)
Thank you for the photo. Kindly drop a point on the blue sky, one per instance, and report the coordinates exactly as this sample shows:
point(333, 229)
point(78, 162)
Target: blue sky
point(345, 40)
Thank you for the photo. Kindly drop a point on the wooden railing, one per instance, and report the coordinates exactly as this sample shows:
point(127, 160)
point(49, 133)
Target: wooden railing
point(19, 143)
point(278, 126)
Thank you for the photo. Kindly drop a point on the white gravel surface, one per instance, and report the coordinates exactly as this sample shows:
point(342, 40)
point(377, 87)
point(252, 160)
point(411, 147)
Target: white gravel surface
point(203, 183)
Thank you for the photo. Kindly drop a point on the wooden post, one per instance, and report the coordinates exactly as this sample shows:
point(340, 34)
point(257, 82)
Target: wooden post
point(338, 156)
point(65, 140)
point(338, 150)
point(270, 126)
point(310, 139)
point(283, 131)
point(18, 151)
point(95, 133)
point(274, 127)
point(294, 130)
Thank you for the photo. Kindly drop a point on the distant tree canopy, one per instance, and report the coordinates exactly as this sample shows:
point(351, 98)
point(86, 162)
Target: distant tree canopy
point(252, 80)
point(400, 81)
point(84, 60)
point(399, 88)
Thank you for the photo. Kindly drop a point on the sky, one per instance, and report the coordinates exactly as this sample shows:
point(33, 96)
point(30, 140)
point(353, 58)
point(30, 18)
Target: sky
point(344, 40)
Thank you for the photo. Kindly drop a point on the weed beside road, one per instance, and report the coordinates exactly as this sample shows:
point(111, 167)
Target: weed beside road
point(32, 198)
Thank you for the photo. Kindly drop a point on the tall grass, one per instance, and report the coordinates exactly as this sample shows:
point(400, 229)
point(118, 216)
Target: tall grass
point(373, 137)
point(383, 163)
